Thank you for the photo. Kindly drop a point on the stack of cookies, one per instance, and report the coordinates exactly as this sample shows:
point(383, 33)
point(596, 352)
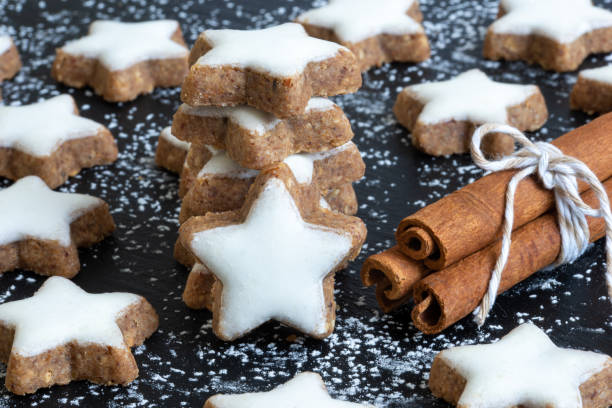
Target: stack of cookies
point(254, 110)
point(253, 99)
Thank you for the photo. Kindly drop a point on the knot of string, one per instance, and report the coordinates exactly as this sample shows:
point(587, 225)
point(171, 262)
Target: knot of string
point(558, 173)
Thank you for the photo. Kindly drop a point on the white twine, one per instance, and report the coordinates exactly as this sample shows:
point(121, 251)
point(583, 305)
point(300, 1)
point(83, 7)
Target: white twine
point(559, 173)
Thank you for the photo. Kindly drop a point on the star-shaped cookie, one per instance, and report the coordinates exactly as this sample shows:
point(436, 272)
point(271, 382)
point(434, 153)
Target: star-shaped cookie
point(442, 115)
point(305, 390)
point(10, 63)
point(41, 229)
point(275, 258)
point(376, 31)
point(221, 184)
point(171, 152)
point(63, 333)
point(123, 60)
point(557, 34)
point(256, 139)
point(50, 140)
point(277, 69)
point(523, 369)
point(592, 92)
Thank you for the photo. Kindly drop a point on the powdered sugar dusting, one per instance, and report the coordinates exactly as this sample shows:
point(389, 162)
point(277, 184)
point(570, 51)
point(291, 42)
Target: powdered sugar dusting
point(371, 357)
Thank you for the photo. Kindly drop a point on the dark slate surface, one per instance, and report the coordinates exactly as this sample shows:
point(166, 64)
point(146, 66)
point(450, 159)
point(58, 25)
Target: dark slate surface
point(370, 357)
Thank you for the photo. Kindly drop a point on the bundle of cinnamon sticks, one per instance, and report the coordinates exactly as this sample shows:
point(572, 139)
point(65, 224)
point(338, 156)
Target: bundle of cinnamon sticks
point(446, 251)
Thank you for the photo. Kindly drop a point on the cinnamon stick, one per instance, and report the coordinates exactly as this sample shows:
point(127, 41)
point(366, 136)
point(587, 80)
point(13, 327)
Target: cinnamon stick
point(445, 297)
point(394, 275)
point(471, 218)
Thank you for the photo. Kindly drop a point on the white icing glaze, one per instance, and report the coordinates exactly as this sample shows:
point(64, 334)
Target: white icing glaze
point(301, 164)
point(120, 45)
point(601, 74)
point(272, 266)
point(319, 104)
point(305, 390)
point(524, 367)
point(471, 96)
point(166, 134)
point(282, 50)
point(249, 118)
point(30, 209)
point(222, 165)
point(252, 119)
point(60, 312)
point(40, 129)
point(561, 20)
point(356, 20)
point(5, 43)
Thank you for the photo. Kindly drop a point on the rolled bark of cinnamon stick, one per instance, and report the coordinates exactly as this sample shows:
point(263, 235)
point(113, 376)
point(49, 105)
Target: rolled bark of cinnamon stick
point(445, 297)
point(471, 218)
point(394, 275)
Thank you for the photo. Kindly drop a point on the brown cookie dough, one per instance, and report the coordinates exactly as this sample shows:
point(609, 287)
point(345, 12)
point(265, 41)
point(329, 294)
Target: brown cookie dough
point(125, 83)
point(592, 93)
point(256, 139)
point(34, 363)
point(171, 152)
point(263, 193)
point(454, 136)
point(374, 50)
point(544, 49)
point(232, 83)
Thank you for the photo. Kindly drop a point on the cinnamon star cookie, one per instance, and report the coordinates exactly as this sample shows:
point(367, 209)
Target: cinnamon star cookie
point(40, 229)
point(50, 140)
point(557, 34)
point(443, 115)
point(523, 369)
point(63, 333)
point(123, 60)
point(275, 258)
point(377, 31)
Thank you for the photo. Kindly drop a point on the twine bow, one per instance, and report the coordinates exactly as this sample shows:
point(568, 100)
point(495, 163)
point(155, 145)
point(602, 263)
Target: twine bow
point(556, 172)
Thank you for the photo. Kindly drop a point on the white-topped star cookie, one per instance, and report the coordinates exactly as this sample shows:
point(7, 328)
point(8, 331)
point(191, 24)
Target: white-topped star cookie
point(63, 333)
point(524, 368)
point(561, 20)
point(271, 260)
point(60, 312)
point(118, 45)
point(30, 209)
point(301, 164)
point(283, 50)
point(470, 96)
point(40, 129)
point(356, 20)
point(305, 390)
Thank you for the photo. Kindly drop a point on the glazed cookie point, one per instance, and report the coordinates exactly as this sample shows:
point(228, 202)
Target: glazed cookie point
point(10, 62)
